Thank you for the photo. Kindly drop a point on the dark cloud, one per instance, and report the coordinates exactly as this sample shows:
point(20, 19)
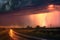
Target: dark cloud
point(9, 5)
point(57, 2)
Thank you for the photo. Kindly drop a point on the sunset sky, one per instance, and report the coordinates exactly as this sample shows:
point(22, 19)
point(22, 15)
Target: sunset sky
point(43, 19)
point(41, 15)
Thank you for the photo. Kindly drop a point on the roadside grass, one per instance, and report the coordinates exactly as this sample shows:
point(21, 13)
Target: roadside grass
point(44, 33)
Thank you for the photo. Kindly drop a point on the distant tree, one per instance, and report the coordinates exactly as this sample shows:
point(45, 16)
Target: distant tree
point(37, 28)
point(44, 26)
point(29, 27)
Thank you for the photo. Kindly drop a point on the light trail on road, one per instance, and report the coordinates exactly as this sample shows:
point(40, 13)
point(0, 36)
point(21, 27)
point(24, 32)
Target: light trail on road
point(18, 36)
point(14, 35)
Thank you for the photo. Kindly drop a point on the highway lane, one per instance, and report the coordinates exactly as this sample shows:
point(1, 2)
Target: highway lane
point(10, 34)
point(4, 35)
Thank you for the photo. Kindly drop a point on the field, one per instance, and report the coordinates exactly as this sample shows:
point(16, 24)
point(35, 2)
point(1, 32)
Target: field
point(42, 33)
point(47, 33)
point(4, 34)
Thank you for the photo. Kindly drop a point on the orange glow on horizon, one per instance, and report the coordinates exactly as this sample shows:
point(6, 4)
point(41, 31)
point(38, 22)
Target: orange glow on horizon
point(51, 7)
point(39, 19)
point(46, 19)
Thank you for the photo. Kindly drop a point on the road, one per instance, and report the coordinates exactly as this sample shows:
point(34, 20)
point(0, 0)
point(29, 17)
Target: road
point(10, 34)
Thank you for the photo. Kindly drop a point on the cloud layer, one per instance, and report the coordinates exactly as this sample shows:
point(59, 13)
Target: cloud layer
point(8, 5)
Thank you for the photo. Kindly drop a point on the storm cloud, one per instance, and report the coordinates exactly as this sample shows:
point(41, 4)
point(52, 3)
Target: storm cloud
point(9, 5)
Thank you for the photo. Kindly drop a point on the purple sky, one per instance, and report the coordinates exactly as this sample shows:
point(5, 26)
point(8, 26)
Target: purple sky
point(43, 19)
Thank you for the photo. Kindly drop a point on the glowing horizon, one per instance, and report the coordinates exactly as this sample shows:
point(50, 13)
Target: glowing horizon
point(52, 17)
point(46, 19)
